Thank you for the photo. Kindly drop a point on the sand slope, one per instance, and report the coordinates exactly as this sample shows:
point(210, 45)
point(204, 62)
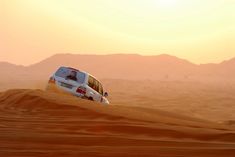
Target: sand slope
point(38, 123)
point(211, 101)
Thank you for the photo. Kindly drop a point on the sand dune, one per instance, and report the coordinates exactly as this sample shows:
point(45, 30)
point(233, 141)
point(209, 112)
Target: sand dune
point(39, 123)
point(211, 101)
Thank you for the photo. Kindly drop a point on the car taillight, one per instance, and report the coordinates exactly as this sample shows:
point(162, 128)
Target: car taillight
point(51, 80)
point(81, 90)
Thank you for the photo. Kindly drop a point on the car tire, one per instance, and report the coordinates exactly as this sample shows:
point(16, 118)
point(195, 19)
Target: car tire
point(90, 98)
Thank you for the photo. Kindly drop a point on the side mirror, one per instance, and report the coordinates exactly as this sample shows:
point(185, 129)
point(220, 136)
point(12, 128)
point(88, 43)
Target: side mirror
point(106, 94)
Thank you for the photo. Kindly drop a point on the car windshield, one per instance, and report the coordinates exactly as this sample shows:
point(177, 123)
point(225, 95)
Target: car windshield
point(65, 72)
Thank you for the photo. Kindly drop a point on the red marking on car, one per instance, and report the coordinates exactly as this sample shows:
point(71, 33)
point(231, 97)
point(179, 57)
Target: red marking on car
point(81, 90)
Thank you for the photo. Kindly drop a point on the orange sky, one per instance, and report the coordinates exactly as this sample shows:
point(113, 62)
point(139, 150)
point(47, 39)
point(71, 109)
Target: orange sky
point(201, 31)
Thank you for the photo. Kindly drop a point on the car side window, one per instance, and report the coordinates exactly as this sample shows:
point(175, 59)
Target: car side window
point(100, 89)
point(91, 82)
point(94, 84)
point(97, 86)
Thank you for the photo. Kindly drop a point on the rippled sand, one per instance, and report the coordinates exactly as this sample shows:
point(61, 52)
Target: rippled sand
point(39, 123)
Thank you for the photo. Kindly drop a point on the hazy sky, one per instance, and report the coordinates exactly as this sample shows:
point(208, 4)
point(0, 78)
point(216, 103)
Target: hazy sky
point(201, 31)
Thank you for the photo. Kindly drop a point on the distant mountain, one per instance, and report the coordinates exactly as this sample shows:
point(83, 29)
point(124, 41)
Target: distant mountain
point(11, 72)
point(119, 66)
point(125, 66)
point(227, 69)
point(8, 66)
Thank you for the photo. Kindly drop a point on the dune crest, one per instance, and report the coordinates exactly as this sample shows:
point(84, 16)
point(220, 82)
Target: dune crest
point(35, 122)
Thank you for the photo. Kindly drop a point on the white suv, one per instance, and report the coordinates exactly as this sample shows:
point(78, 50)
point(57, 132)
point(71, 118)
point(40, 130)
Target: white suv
point(78, 83)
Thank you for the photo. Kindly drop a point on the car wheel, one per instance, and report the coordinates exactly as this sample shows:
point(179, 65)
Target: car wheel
point(90, 98)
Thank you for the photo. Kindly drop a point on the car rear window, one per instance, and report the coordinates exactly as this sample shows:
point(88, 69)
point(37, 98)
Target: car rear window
point(64, 72)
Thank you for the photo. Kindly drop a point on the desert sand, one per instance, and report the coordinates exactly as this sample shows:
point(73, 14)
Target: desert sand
point(40, 123)
point(211, 101)
point(182, 110)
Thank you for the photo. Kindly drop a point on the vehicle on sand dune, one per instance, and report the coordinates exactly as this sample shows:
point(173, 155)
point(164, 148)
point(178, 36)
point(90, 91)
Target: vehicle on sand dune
point(78, 83)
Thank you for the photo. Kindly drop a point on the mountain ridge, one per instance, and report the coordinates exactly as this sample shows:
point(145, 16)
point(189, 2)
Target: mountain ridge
point(125, 66)
point(117, 54)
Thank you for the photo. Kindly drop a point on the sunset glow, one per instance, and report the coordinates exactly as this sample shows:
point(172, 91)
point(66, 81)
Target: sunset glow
point(166, 3)
point(201, 31)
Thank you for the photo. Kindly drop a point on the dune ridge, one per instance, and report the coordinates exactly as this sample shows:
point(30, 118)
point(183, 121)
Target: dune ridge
point(39, 123)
